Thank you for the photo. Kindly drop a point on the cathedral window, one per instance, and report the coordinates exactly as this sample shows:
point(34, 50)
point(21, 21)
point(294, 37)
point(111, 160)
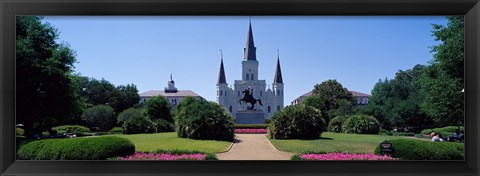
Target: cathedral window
point(239, 93)
point(260, 93)
point(247, 76)
point(253, 77)
point(269, 109)
point(221, 93)
point(278, 108)
point(230, 108)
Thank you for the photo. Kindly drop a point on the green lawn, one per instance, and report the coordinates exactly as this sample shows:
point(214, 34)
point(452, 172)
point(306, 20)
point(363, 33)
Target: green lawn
point(170, 141)
point(334, 142)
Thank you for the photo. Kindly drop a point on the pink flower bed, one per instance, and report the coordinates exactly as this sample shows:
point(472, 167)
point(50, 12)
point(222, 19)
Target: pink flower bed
point(251, 131)
point(163, 156)
point(344, 156)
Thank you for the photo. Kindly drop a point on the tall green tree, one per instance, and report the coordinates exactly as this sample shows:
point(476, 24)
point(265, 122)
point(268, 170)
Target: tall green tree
point(101, 92)
point(159, 108)
point(443, 80)
point(396, 102)
point(46, 92)
point(127, 97)
point(336, 99)
point(101, 116)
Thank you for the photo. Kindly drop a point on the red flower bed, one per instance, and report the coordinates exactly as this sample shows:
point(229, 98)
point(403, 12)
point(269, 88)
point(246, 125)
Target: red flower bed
point(251, 131)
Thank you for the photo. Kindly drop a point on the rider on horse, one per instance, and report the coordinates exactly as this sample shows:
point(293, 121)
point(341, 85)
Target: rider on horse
point(248, 97)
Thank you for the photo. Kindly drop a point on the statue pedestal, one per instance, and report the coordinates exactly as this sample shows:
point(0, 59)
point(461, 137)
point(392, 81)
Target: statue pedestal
point(250, 116)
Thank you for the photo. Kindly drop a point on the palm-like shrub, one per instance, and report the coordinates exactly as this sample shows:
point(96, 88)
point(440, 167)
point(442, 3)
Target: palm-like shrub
point(297, 122)
point(335, 125)
point(163, 125)
point(198, 119)
point(361, 124)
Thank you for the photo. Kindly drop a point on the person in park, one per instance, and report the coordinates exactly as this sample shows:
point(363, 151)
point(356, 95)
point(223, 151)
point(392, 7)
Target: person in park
point(437, 137)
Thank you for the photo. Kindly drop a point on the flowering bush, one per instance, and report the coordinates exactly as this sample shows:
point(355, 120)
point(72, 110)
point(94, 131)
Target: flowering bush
point(251, 131)
point(163, 156)
point(343, 156)
point(169, 155)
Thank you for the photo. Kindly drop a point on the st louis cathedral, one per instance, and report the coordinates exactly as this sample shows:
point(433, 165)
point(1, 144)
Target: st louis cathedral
point(269, 100)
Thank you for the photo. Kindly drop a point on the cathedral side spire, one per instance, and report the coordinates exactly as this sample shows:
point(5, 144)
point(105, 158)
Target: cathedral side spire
point(278, 71)
point(221, 75)
point(250, 49)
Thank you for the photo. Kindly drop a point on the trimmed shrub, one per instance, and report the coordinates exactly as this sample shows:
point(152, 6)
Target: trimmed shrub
point(163, 125)
point(116, 130)
point(361, 124)
point(75, 129)
point(19, 132)
point(410, 149)
point(130, 113)
point(101, 116)
point(297, 122)
point(445, 131)
point(95, 148)
point(138, 124)
point(199, 119)
point(251, 126)
point(335, 125)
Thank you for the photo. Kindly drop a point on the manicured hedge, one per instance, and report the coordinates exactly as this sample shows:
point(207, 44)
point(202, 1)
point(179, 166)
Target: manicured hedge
point(410, 149)
point(94, 148)
point(445, 131)
point(73, 128)
point(116, 130)
point(251, 126)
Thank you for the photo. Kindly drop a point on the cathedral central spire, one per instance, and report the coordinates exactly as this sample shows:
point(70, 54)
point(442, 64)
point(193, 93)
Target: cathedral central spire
point(278, 71)
point(250, 49)
point(221, 75)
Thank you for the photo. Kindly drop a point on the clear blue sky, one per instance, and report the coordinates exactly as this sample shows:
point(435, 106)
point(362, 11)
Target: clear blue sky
point(356, 51)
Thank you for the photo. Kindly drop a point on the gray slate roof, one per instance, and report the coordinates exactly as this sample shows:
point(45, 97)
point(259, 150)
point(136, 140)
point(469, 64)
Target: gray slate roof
point(180, 93)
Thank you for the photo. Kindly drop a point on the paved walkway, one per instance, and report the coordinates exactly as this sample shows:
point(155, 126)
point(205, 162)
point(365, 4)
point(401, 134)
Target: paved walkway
point(253, 147)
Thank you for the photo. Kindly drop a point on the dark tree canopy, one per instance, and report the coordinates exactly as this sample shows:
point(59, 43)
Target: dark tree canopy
point(336, 99)
point(159, 108)
point(443, 80)
point(396, 102)
point(101, 116)
point(101, 92)
point(46, 93)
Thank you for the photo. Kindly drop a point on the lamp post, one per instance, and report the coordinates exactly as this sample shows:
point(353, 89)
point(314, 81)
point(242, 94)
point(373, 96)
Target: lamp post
point(459, 119)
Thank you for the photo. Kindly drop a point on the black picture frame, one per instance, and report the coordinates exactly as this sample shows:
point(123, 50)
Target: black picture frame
point(10, 8)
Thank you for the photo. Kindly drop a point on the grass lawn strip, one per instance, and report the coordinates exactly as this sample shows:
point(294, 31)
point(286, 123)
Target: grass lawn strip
point(170, 141)
point(334, 142)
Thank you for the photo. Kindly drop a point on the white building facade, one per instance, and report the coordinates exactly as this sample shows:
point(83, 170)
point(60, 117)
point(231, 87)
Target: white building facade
point(171, 93)
point(272, 99)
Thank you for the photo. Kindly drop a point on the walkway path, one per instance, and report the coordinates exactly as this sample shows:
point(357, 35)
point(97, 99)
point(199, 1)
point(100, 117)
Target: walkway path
point(253, 147)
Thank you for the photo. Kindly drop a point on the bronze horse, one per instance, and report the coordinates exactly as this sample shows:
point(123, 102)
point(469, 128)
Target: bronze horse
point(248, 97)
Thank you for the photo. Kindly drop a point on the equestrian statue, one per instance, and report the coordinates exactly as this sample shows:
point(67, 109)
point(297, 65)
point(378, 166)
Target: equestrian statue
point(248, 98)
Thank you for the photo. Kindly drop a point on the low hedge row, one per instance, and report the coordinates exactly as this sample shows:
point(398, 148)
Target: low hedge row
point(73, 128)
point(445, 131)
point(409, 149)
point(389, 133)
point(251, 126)
point(95, 148)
